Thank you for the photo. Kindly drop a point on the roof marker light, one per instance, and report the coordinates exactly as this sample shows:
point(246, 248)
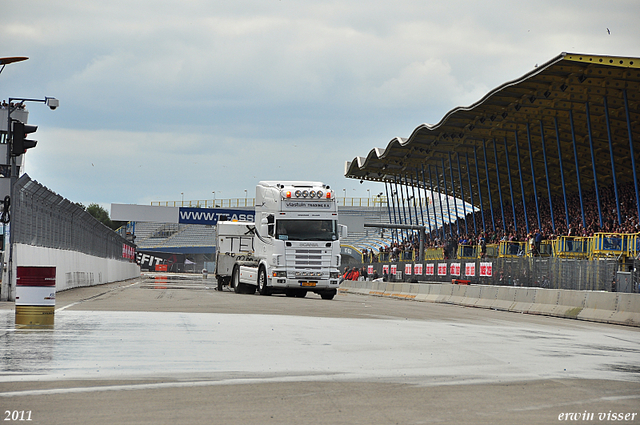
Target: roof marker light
point(288, 194)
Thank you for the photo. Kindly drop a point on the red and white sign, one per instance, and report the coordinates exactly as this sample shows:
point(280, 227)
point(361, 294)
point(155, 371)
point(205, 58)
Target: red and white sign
point(454, 269)
point(385, 269)
point(486, 269)
point(394, 269)
point(430, 269)
point(442, 269)
point(470, 269)
point(407, 269)
point(369, 269)
point(128, 252)
point(417, 269)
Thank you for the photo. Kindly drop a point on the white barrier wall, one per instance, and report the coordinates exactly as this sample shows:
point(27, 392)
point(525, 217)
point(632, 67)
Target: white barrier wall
point(609, 307)
point(73, 269)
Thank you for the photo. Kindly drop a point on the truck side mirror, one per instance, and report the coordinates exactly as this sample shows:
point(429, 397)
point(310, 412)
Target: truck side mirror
point(268, 222)
point(342, 231)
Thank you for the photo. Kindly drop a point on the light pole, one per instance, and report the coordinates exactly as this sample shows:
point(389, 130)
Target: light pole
point(245, 197)
point(5, 61)
point(182, 202)
point(214, 199)
point(52, 103)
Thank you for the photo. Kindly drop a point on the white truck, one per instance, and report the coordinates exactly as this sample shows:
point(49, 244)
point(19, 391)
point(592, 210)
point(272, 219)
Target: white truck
point(292, 248)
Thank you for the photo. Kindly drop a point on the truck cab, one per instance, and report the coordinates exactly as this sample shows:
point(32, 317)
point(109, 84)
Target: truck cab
point(297, 238)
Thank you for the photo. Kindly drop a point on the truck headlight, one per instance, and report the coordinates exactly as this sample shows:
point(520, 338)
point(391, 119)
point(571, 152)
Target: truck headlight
point(279, 274)
point(334, 275)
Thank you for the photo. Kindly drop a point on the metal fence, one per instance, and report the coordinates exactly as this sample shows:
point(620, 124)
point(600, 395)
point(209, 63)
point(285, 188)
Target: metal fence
point(549, 272)
point(44, 218)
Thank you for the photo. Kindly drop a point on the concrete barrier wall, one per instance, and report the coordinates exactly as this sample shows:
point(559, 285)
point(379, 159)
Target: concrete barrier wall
point(73, 269)
point(607, 307)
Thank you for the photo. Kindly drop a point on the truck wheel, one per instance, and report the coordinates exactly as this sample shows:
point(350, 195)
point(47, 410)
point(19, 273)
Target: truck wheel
point(262, 282)
point(328, 295)
point(220, 282)
point(290, 293)
point(238, 287)
point(301, 293)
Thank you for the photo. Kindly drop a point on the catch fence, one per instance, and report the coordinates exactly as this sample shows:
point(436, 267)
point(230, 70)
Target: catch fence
point(44, 218)
point(549, 272)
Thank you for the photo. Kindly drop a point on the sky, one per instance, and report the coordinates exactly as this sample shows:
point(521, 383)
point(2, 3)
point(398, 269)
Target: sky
point(171, 100)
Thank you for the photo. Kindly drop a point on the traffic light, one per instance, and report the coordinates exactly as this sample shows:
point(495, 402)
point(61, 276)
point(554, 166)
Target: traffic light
point(20, 144)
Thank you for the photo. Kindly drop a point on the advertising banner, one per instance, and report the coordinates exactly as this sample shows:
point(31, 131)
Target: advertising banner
point(430, 269)
point(470, 269)
point(148, 260)
point(486, 269)
point(210, 216)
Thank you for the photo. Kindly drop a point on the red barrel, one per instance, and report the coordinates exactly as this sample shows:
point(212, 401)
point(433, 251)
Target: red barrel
point(35, 296)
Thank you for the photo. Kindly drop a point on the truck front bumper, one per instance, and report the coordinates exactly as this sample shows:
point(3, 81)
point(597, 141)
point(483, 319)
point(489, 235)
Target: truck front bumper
point(304, 283)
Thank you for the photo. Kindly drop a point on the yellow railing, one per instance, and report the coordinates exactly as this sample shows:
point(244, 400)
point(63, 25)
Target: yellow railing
point(614, 245)
point(374, 202)
point(208, 203)
point(511, 249)
point(434, 254)
point(572, 247)
point(468, 251)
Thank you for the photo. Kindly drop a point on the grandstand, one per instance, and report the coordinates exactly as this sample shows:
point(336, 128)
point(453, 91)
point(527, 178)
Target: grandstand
point(403, 211)
point(549, 156)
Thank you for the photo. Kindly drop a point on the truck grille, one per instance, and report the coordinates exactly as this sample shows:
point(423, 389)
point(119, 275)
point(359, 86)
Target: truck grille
point(308, 258)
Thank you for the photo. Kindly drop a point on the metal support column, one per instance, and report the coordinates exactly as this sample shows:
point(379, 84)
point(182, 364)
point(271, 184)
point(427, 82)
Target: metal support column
point(396, 195)
point(495, 157)
point(613, 161)
point(524, 202)
point(575, 155)
point(444, 178)
point(415, 207)
point(444, 236)
point(533, 177)
point(424, 185)
point(633, 158)
point(546, 171)
point(386, 189)
point(593, 162)
point(475, 154)
point(513, 201)
point(486, 169)
point(453, 190)
point(473, 214)
point(564, 190)
point(464, 204)
point(419, 196)
point(402, 212)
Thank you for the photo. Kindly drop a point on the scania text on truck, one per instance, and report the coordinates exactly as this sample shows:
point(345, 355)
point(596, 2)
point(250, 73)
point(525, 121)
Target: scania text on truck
point(292, 248)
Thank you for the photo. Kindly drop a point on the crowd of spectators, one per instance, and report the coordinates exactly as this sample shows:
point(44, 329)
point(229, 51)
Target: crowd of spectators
point(463, 232)
point(5, 105)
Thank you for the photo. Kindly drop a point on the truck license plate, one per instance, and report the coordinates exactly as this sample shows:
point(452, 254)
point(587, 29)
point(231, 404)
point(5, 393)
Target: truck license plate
point(307, 284)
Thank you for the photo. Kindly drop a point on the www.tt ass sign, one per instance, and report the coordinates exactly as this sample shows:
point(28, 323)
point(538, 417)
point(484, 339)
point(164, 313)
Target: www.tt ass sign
point(208, 216)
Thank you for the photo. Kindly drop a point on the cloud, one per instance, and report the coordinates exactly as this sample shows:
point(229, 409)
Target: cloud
point(163, 97)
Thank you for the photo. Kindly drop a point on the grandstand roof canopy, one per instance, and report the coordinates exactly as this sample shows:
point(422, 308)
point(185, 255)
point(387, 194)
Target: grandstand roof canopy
point(570, 98)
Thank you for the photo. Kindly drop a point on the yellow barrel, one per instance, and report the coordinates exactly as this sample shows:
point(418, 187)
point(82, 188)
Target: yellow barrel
point(29, 316)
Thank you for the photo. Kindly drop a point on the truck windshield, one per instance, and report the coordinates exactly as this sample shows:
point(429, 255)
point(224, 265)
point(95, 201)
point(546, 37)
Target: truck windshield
point(306, 230)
